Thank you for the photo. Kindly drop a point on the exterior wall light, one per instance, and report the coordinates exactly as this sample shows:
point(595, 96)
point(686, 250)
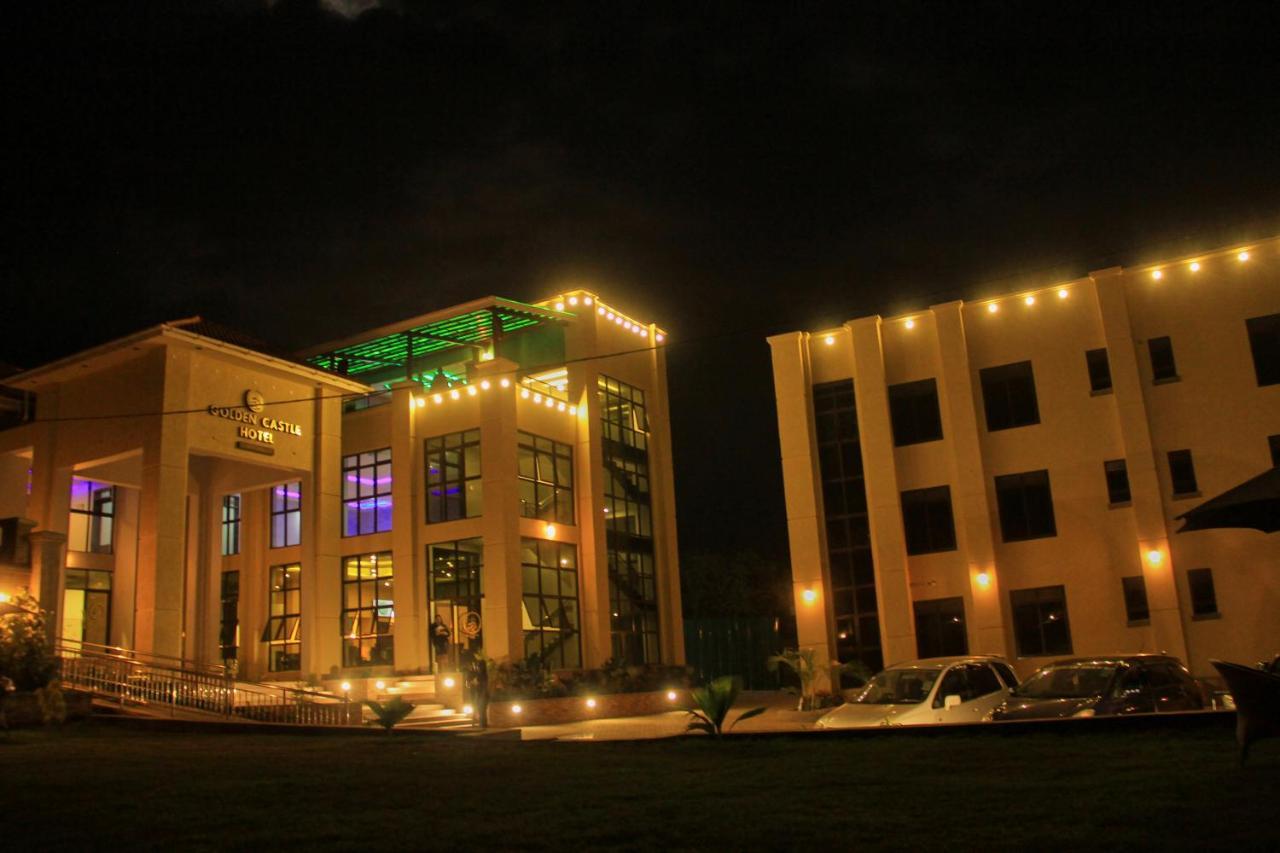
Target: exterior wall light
point(468, 710)
point(505, 382)
point(983, 579)
point(485, 385)
point(829, 340)
point(586, 300)
point(1243, 256)
point(516, 709)
point(380, 684)
point(559, 306)
point(1195, 266)
point(1155, 558)
point(439, 398)
point(449, 682)
point(550, 530)
point(671, 696)
point(992, 307)
point(809, 595)
point(1029, 299)
point(591, 703)
point(911, 323)
point(1062, 293)
point(1157, 274)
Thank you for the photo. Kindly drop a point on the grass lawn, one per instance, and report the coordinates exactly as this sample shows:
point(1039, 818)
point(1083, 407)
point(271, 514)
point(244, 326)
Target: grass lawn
point(94, 787)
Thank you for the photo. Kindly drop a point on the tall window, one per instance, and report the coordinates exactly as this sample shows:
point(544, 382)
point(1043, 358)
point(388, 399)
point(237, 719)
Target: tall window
point(1204, 598)
point(368, 610)
point(1163, 367)
point(454, 488)
point(455, 572)
point(546, 479)
point(913, 409)
point(286, 515)
point(1040, 621)
point(366, 492)
point(1099, 370)
point(284, 620)
point(1026, 506)
point(1136, 609)
point(230, 525)
point(550, 613)
point(1117, 473)
point(844, 502)
point(229, 623)
point(1009, 396)
point(93, 508)
point(940, 630)
point(1182, 473)
point(628, 522)
point(1264, 343)
point(926, 519)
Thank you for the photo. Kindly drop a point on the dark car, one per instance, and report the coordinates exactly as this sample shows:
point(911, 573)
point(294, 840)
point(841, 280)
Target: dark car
point(1103, 686)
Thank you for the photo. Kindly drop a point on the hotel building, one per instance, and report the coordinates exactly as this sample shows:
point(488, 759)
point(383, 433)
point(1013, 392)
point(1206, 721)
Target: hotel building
point(499, 469)
point(1004, 476)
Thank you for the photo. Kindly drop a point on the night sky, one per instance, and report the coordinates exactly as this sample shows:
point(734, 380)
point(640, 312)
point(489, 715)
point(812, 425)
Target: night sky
point(306, 170)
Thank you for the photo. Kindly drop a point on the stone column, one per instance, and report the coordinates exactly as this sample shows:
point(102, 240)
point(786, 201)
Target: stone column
point(593, 557)
point(406, 517)
point(321, 540)
point(48, 560)
point(663, 501)
point(503, 587)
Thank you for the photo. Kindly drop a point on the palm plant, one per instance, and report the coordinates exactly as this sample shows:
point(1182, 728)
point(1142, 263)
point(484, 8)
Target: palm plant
point(711, 706)
point(804, 663)
point(388, 713)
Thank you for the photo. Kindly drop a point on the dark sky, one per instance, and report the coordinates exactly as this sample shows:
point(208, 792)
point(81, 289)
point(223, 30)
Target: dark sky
point(303, 171)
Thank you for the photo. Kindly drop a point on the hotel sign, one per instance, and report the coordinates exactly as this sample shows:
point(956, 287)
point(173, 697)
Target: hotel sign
point(253, 425)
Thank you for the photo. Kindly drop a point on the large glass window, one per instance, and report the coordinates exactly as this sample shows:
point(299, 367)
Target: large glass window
point(633, 605)
point(1040, 621)
point(1026, 506)
point(624, 412)
point(230, 525)
point(1264, 343)
point(366, 492)
point(286, 515)
point(926, 520)
point(550, 613)
point(455, 571)
point(454, 488)
point(93, 508)
point(1009, 396)
point(913, 410)
point(229, 623)
point(940, 629)
point(368, 610)
point(86, 606)
point(1182, 473)
point(546, 479)
point(844, 503)
point(284, 620)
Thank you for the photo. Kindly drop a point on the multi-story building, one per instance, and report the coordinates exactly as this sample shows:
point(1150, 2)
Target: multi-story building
point(1005, 475)
point(491, 476)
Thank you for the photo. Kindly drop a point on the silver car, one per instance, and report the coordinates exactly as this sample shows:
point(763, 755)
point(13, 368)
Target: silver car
point(927, 692)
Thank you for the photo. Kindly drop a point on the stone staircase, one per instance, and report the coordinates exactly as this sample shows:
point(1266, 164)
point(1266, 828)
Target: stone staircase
point(427, 712)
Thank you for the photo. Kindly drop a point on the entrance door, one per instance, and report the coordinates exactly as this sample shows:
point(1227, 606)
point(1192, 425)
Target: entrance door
point(86, 607)
point(455, 593)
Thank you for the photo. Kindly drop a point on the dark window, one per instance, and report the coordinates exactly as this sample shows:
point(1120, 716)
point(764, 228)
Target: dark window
point(1204, 599)
point(93, 508)
point(940, 629)
point(1273, 442)
point(366, 492)
point(284, 620)
point(1040, 621)
point(926, 518)
point(286, 515)
point(982, 680)
point(1182, 471)
point(1163, 368)
point(546, 479)
point(1099, 370)
point(1135, 599)
point(844, 502)
point(229, 624)
point(913, 409)
point(454, 488)
point(1117, 481)
point(1264, 340)
point(1007, 675)
point(368, 610)
point(550, 615)
point(954, 683)
point(230, 525)
point(1026, 506)
point(1009, 395)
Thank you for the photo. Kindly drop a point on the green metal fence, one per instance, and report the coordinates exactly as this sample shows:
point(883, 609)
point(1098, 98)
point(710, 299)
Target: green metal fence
point(733, 645)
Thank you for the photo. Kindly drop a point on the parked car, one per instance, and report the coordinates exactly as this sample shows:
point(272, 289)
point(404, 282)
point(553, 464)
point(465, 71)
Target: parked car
point(1103, 686)
point(928, 691)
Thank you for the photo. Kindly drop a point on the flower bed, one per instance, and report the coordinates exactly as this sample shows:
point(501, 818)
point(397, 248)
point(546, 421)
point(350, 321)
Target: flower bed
point(571, 709)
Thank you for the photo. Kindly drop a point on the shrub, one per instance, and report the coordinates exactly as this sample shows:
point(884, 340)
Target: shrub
point(25, 655)
point(391, 712)
point(711, 706)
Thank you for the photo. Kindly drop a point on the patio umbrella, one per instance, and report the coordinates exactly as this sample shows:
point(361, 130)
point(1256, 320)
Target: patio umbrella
point(1254, 503)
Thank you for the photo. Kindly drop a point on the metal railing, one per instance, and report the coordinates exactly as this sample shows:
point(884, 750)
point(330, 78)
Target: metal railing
point(134, 679)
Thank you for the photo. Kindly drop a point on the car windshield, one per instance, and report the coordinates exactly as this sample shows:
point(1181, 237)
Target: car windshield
point(1066, 682)
point(899, 687)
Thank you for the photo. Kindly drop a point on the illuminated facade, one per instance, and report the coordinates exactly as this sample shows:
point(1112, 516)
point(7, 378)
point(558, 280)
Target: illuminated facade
point(492, 476)
point(1003, 476)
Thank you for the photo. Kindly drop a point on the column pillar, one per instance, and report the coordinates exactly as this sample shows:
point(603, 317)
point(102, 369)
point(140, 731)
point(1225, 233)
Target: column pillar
point(987, 631)
point(884, 503)
point(321, 538)
point(593, 559)
point(663, 508)
point(502, 579)
point(406, 517)
point(48, 559)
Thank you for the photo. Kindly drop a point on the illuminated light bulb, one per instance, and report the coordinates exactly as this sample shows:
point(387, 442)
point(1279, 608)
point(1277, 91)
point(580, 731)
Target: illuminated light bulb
point(346, 687)
point(449, 682)
point(626, 325)
point(471, 390)
point(1157, 274)
point(439, 398)
point(550, 530)
point(983, 579)
point(550, 402)
point(1155, 558)
point(609, 315)
point(1195, 266)
point(454, 395)
point(516, 709)
point(600, 310)
point(524, 392)
point(618, 320)
point(485, 384)
point(419, 401)
point(911, 324)
point(560, 406)
point(1062, 293)
point(537, 398)
point(505, 382)
point(586, 300)
point(573, 410)
point(591, 703)
point(671, 696)
point(573, 300)
point(1029, 299)
point(829, 340)
point(809, 596)
point(468, 710)
point(1243, 256)
point(559, 306)
point(380, 684)
point(644, 333)
point(660, 337)
point(992, 307)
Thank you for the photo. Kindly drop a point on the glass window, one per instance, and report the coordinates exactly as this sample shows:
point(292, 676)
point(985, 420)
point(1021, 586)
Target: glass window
point(550, 611)
point(1135, 599)
point(368, 610)
point(1007, 675)
point(1204, 598)
point(455, 573)
point(625, 415)
point(982, 680)
point(284, 619)
point(1182, 473)
point(1264, 342)
point(366, 492)
point(1009, 396)
point(1273, 444)
point(926, 519)
point(1099, 370)
point(1163, 368)
point(286, 515)
point(940, 628)
point(1026, 506)
point(1117, 473)
point(230, 525)
point(545, 469)
point(93, 507)
point(454, 487)
point(954, 683)
point(229, 623)
point(1040, 623)
point(913, 409)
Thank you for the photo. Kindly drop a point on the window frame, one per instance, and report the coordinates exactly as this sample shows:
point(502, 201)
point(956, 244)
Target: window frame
point(1098, 364)
point(1022, 479)
point(1264, 346)
point(1001, 385)
point(470, 484)
point(1180, 475)
point(357, 465)
point(1200, 581)
point(284, 629)
point(915, 414)
point(98, 515)
point(542, 453)
point(930, 618)
point(1134, 587)
point(922, 506)
point(380, 638)
point(229, 615)
point(1037, 598)
point(232, 515)
point(558, 560)
point(1160, 351)
point(284, 508)
point(1113, 471)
